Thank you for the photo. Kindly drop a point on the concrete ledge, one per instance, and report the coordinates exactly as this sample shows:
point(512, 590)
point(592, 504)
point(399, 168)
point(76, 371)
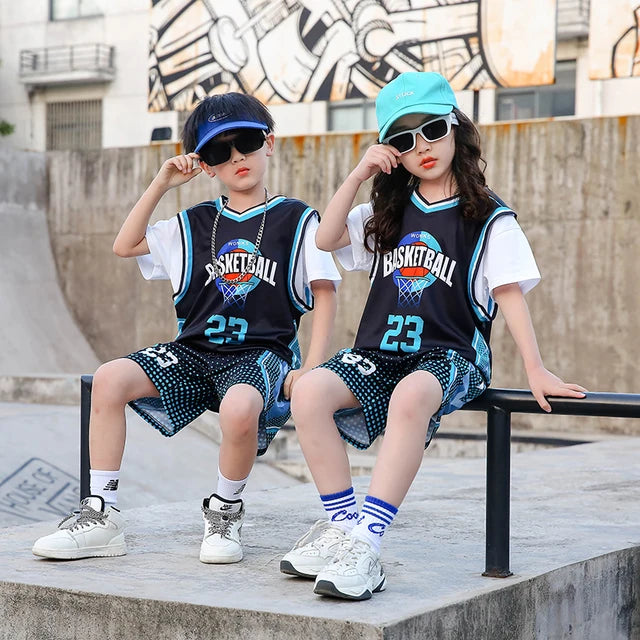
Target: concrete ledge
point(575, 555)
point(41, 389)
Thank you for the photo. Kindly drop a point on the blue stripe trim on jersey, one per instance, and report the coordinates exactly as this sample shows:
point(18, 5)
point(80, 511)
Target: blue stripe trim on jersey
point(302, 305)
point(294, 347)
point(484, 315)
point(263, 370)
point(181, 322)
point(483, 359)
point(187, 250)
point(249, 213)
point(432, 208)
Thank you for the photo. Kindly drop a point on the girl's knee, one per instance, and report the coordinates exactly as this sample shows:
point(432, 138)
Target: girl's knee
point(309, 395)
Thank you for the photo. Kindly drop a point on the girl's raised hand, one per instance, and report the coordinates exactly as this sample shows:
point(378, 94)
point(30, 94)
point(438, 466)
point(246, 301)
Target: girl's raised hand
point(178, 170)
point(379, 157)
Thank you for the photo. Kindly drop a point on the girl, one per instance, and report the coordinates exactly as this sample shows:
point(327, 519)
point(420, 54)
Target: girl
point(443, 252)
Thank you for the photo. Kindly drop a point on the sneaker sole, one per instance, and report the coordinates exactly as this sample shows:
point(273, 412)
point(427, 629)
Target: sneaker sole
point(220, 559)
point(78, 554)
point(289, 569)
point(327, 588)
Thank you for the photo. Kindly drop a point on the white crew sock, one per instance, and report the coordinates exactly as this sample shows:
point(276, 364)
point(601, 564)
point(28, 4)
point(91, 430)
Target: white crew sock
point(230, 490)
point(105, 485)
point(375, 516)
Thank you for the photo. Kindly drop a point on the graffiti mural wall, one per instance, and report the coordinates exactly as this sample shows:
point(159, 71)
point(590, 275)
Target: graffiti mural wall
point(614, 39)
point(286, 51)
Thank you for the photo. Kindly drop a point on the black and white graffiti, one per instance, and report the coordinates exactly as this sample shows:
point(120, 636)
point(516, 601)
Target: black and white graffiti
point(614, 39)
point(287, 51)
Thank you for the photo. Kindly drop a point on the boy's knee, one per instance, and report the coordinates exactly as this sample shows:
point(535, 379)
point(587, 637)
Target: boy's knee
point(239, 414)
point(112, 383)
point(106, 385)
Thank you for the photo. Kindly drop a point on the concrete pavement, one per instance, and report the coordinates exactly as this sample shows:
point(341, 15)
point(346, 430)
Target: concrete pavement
point(39, 466)
point(575, 555)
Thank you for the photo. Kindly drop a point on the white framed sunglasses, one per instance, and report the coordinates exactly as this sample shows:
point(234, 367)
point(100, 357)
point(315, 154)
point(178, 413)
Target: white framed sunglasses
point(432, 130)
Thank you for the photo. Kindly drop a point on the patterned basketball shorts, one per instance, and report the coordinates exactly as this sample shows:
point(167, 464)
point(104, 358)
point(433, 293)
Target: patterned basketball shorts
point(191, 381)
point(372, 376)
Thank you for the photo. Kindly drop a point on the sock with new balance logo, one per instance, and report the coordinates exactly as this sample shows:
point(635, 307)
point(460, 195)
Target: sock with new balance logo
point(341, 508)
point(230, 490)
point(105, 485)
point(376, 515)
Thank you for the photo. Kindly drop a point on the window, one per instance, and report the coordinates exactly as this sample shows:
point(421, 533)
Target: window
point(67, 9)
point(352, 115)
point(542, 101)
point(74, 125)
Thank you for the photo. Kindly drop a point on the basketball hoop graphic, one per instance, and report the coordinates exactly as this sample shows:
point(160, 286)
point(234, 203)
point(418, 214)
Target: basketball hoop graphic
point(413, 278)
point(410, 290)
point(235, 286)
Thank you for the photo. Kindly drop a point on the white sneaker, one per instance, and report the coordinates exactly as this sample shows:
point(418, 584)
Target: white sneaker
point(314, 550)
point(222, 526)
point(355, 572)
point(90, 532)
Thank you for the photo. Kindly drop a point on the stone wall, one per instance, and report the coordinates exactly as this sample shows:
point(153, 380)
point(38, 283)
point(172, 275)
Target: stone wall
point(574, 184)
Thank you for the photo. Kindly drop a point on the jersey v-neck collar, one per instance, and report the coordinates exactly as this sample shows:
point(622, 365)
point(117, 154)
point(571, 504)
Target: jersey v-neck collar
point(240, 216)
point(431, 207)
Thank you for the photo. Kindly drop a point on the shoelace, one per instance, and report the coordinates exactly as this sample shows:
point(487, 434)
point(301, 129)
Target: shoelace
point(84, 516)
point(350, 552)
point(220, 523)
point(321, 540)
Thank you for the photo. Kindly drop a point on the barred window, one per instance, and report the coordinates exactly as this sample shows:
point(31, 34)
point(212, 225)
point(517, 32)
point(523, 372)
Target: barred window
point(74, 125)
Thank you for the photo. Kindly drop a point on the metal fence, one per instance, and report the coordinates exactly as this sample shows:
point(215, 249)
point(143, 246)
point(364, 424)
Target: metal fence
point(498, 404)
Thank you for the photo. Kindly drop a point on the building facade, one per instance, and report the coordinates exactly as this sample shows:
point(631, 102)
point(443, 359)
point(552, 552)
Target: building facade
point(75, 74)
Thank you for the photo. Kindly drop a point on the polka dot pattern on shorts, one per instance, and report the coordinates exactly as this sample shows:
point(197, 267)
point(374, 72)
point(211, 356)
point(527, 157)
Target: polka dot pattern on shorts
point(372, 376)
point(191, 382)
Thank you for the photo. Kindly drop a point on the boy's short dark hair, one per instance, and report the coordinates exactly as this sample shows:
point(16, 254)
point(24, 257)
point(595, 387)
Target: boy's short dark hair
point(232, 106)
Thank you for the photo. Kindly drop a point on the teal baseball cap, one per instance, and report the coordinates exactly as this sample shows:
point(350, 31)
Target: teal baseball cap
point(413, 92)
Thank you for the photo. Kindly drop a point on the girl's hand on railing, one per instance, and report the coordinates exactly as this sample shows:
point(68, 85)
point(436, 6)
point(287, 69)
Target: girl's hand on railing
point(544, 383)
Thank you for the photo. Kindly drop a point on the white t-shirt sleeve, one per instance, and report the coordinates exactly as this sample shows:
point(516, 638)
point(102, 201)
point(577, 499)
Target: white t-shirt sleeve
point(311, 264)
point(164, 260)
point(318, 265)
point(355, 257)
point(507, 258)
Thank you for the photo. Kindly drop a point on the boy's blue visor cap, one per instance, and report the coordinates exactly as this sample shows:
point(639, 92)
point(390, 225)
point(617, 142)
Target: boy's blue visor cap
point(424, 92)
point(217, 125)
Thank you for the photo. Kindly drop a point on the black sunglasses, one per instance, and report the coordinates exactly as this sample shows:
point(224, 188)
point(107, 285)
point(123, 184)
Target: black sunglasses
point(246, 141)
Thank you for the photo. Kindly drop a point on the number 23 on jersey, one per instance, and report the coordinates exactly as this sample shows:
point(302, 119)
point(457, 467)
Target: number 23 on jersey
point(404, 334)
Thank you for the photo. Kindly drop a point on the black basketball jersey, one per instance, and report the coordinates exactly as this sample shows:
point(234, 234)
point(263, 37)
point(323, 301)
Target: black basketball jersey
point(242, 298)
point(422, 292)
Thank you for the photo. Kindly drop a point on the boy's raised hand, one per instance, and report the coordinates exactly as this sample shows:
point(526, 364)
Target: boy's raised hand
point(379, 157)
point(178, 170)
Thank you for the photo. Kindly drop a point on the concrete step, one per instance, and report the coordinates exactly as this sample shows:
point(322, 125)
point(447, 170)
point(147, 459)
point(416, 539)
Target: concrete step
point(575, 555)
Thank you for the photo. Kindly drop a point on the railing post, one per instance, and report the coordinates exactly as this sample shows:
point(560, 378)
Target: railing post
point(85, 411)
point(498, 492)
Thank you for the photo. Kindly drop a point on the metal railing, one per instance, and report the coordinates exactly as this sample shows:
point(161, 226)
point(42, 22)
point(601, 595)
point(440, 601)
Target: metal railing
point(66, 58)
point(498, 404)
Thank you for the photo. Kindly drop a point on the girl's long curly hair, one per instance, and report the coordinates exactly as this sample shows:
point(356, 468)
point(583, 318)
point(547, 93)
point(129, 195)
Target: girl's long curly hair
point(390, 193)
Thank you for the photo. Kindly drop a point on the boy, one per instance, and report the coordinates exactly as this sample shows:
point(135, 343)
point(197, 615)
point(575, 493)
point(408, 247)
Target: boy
point(243, 270)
